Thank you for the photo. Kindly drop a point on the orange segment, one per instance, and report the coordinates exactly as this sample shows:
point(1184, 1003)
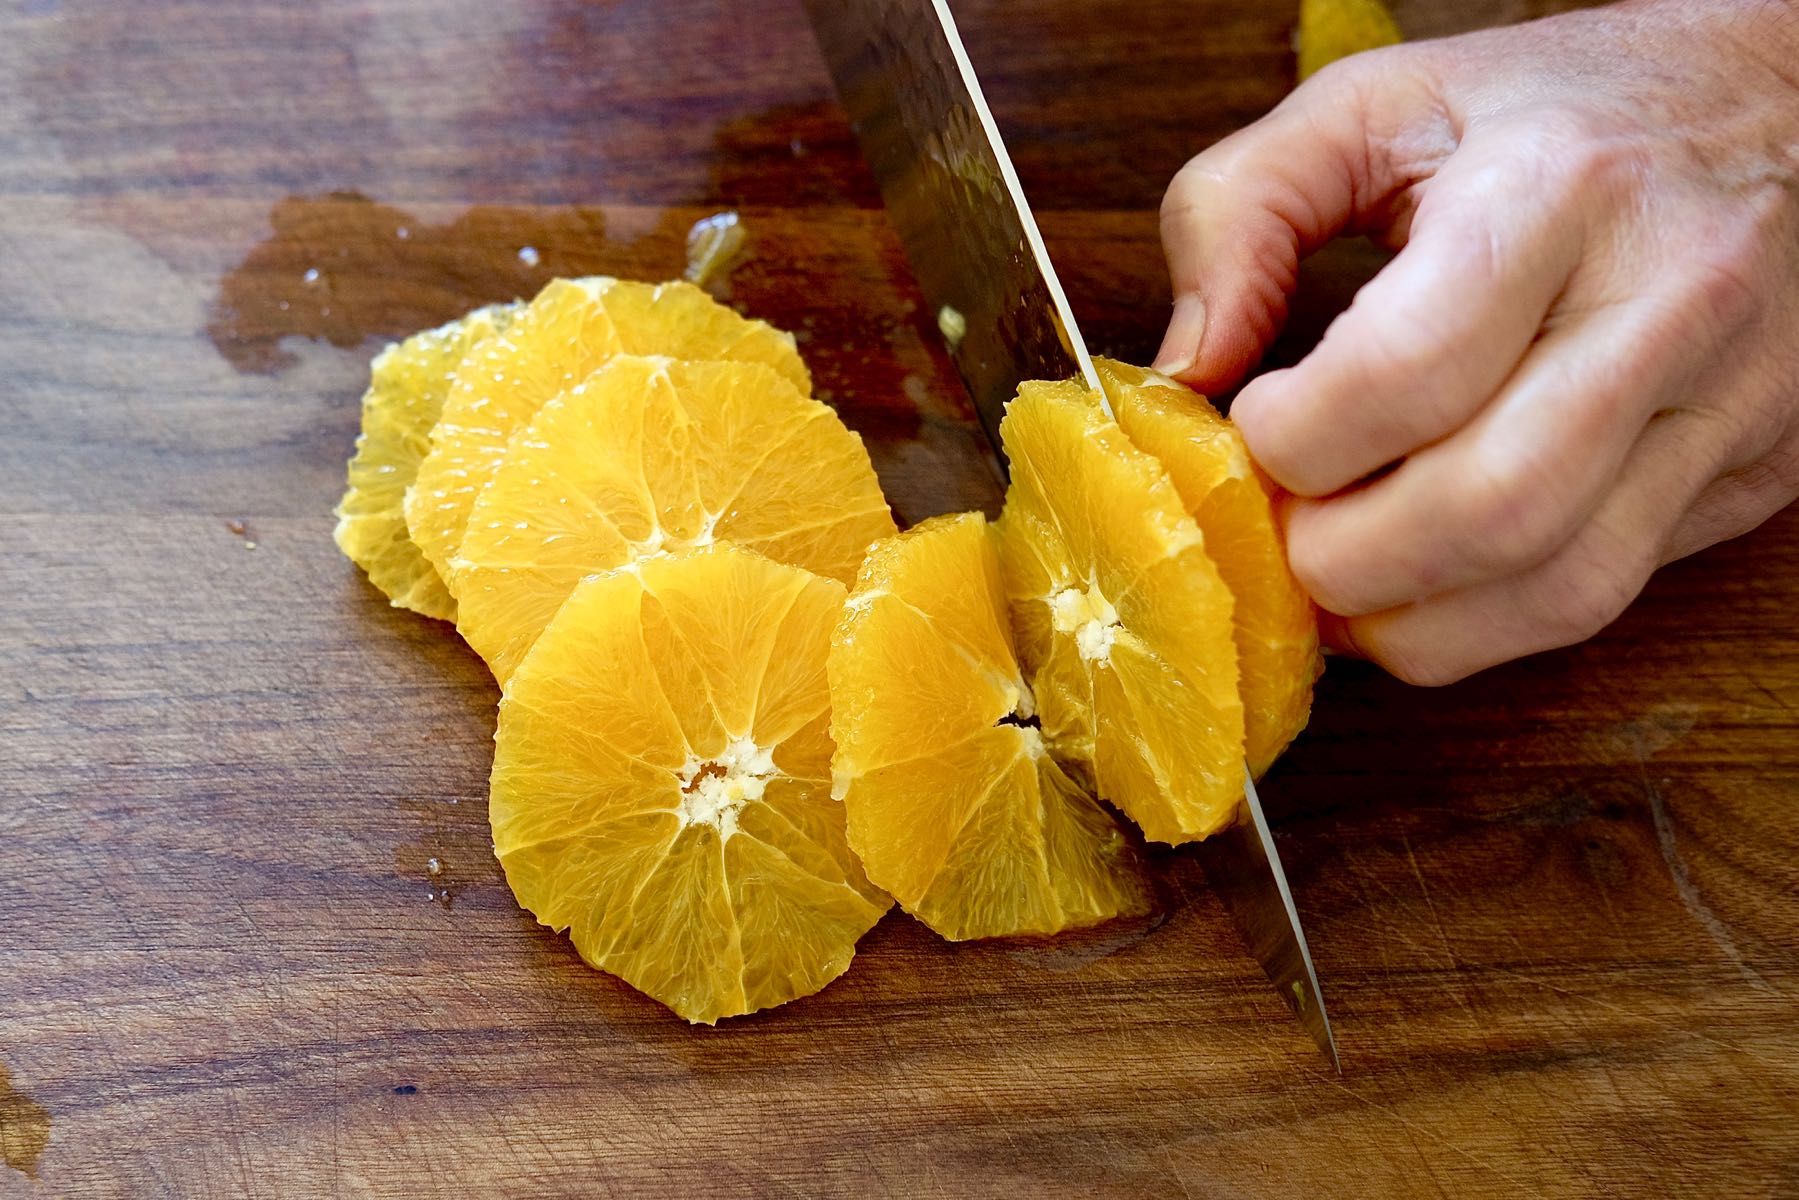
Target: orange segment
point(407, 386)
point(1123, 622)
point(679, 320)
point(661, 783)
point(1275, 626)
point(953, 805)
point(650, 455)
point(566, 333)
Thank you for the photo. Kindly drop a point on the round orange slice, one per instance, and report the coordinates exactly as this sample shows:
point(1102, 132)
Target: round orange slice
point(661, 783)
point(567, 332)
point(407, 386)
point(953, 803)
point(651, 455)
point(1274, 623)
point(1123, 622)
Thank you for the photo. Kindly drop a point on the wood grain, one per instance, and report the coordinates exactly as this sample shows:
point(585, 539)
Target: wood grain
point(1555, 908)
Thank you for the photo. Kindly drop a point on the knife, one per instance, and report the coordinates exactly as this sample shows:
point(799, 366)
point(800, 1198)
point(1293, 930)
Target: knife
point(952, 194)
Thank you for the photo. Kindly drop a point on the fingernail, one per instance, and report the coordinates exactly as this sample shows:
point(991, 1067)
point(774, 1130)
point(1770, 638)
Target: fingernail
point(1186, 326)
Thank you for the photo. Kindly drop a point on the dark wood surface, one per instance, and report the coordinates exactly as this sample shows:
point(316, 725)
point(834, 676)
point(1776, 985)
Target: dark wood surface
point(1555, 908)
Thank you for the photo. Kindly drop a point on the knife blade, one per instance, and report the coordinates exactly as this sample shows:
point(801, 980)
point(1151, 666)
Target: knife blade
point(976, 252)
point(1245, 871)
point(951, 193)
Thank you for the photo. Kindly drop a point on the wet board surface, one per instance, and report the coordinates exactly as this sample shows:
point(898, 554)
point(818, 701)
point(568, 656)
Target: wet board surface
point(1555, 908)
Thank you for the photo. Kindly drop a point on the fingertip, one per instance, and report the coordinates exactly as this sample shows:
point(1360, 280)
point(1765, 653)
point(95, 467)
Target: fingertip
point(1234, 341)
point(1323, 554)
point(1413, 645)
point(1258, 412)
point(1186, 330)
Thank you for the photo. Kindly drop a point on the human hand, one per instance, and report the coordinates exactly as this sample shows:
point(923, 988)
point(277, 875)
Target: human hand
point(1584, 361)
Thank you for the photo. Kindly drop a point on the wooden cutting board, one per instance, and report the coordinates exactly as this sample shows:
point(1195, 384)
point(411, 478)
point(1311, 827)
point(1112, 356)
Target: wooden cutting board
point(1555, 908)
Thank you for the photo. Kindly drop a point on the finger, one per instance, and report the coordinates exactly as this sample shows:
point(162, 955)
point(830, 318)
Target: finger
point(1432, 337)
point(1731, 507)
point(1513, 485)
point(1577, 592)
point(1237, 218)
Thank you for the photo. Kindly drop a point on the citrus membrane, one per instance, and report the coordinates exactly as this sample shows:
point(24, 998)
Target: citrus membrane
point(953, 802)
point(652, 455)
point(661, 783)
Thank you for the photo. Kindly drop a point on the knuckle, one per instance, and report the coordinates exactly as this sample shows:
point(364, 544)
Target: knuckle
point(1339, 75)
point(1272, 429)
point(1360, 73)
point(1576, 153)
point(1411, 373)
point(1418, 666)
point(1386, 353)
point(1779, 470)
point(1725, 289)
point(1181, 197)
point(1510, 514)
point(1587, 596)
point(1324, 574)
point(1201, 178)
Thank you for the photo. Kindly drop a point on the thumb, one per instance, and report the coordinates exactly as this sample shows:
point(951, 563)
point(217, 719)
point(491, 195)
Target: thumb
point(1340, 154)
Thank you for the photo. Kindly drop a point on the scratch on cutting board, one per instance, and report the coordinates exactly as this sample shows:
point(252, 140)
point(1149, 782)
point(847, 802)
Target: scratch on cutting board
point(1413, 1128)
point(1638, 740)
point(24, 1128)
point(1642, 738)
point(1683, 883)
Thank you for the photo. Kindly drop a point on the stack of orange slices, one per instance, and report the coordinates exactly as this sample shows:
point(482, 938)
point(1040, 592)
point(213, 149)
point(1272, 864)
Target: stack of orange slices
point(741, 715)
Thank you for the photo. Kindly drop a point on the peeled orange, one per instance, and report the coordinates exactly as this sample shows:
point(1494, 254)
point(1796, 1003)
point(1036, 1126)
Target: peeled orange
point(661, 783)
point(954, 805)
point(407, 386)
point(652, 455)
point(1274, 623)
point(1124, 624)
point(568, 331)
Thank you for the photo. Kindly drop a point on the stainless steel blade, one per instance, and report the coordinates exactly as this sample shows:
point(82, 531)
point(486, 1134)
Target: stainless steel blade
point(1244, 868)
point(979, 259)
point(952, 194)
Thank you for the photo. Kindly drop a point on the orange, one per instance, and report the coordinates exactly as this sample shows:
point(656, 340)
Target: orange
point(954, 805)
point(661, 783)
point(1333, 29)
point(651, 455)
point(567, 332)
point(1275, 625)
point(407, 386)
point(1123, 622)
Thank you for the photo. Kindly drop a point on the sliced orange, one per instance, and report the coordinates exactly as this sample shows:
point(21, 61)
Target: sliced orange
point(407, 386)
point(1123, 622)
point(650, 455)
point(567, 332)
point(953, 802)
point(661, 783)
point(1275, 625)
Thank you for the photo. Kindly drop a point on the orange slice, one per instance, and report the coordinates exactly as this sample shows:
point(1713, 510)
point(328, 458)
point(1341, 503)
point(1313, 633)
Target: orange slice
point(566, 333)
point(407, 386)
point(651, 455)
point(1123, 622)
point(953, 802)
point(1274, 624)
point(661, 783)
